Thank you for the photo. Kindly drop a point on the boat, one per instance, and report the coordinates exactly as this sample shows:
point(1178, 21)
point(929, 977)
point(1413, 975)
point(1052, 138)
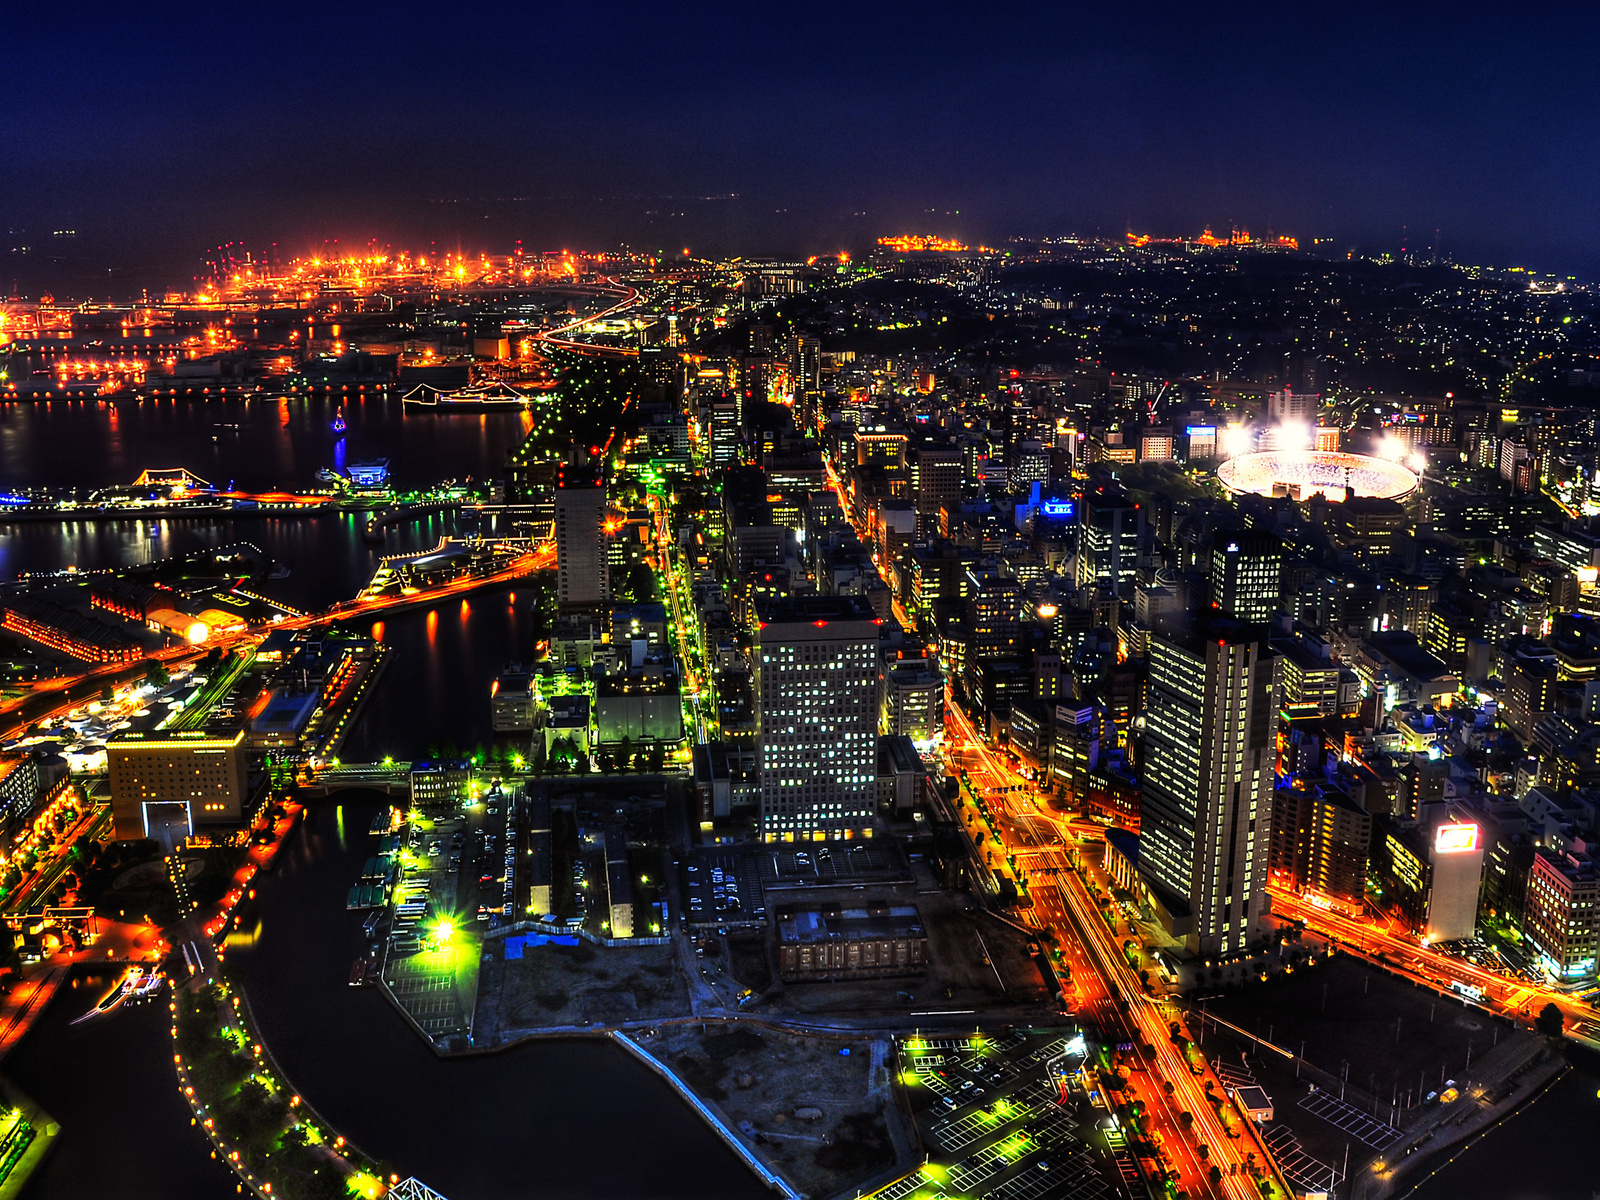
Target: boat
point(135, 984)
point(385, 822)
point(478, 397)
point(339, 425)
point(359, 973)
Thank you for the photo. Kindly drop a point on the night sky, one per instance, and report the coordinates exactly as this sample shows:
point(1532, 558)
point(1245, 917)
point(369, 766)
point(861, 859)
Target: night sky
point(157, 132)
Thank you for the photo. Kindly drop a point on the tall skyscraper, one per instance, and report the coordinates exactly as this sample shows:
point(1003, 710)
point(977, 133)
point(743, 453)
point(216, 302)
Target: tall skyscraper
point(816, 685)
point(583, 576)
point(805, 364)
point(935, 485)
point(1246, 574)
point(1206, 808)
point(1110, 531)
point(726, 427)
point(993, 605)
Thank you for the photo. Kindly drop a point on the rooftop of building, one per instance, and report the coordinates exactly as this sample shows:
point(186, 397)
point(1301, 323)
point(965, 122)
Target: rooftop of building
point(808, 610)
point(831, 923)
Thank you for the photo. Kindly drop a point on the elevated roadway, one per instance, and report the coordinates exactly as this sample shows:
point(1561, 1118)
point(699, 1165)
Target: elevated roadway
point(54, 697)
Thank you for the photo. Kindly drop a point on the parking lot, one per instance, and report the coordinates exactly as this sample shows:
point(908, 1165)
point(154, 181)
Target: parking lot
point(454, 880)
point(1005, 1117)
point(721, 888)
point(856, 864)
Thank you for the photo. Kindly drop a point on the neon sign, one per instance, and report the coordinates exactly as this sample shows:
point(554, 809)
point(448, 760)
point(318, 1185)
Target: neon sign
point(1455, 839)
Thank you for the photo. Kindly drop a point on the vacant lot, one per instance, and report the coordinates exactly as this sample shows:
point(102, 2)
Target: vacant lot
point(761, 1080)
point(562, 986)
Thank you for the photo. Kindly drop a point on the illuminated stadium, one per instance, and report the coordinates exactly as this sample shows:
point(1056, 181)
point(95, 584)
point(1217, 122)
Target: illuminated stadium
point(1301, 474)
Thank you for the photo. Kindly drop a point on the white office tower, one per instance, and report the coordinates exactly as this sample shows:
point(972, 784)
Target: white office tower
point(816, 685)
point(1206, 808)
point(583, 575)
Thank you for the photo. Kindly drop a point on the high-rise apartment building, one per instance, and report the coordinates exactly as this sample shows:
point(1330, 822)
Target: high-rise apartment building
point(1246, 574)
point(1110, 531)
point(1206, 808)
point(816, 686)
point(993, 605)
point(911, 701)
point(1027, 463)
point(1320, 843)
point(992, 636)
point(758, 339)
point(1562, 920)
point(1300, 408)
point(154, 774)
point(583, 576)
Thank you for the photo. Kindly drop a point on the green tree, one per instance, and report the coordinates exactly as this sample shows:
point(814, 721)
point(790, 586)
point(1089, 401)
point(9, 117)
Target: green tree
point(633, 583)
point(1550, 1021)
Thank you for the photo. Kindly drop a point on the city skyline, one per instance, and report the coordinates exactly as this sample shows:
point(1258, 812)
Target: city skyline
point(937, 603)
point(1383, 130)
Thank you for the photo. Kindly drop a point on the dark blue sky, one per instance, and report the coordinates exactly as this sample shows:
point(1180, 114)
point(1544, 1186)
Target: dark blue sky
point(157, 131)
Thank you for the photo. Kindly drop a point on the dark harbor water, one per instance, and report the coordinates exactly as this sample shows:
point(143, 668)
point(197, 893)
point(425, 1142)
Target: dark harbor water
point(110, 1084)
point(435, 689)
point(434, 693)
point(254, 445)
point(1544, 1151)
